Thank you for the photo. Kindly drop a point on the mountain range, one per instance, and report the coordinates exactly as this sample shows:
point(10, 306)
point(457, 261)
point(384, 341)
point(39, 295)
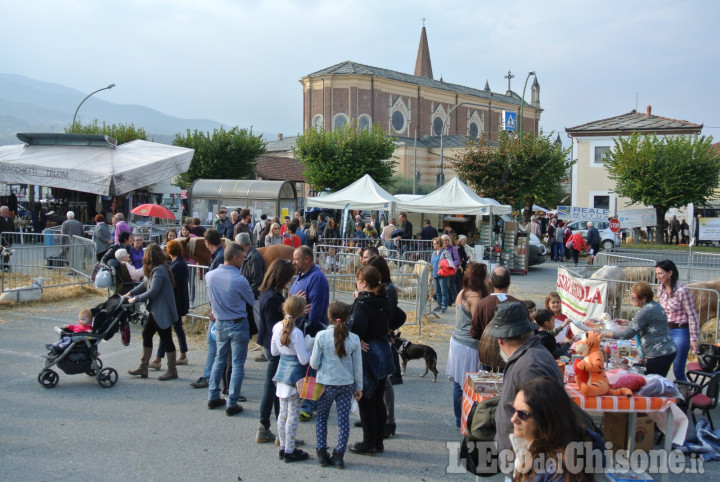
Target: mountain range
point(28, 105)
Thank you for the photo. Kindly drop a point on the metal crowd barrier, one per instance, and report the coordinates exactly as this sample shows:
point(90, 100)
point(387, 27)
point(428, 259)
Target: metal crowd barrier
point(411, 278)
point(704, 267)
point(707, 303)
point(50, 260)
point(698, 267)
point(199, 302)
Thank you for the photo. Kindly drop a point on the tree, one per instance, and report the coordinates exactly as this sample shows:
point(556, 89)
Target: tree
point(664, 173)
point(336, 159)
point(220, 155)
point(518, 173)
point(403, 185)
point(120, 132)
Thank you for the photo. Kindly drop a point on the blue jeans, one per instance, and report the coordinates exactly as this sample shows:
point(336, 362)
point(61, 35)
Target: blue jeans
point(681, 338)
point(442, 291)
point(212, 352)
point(558, 251)
point(457, 402)
point(269, 400)
point(234, 337)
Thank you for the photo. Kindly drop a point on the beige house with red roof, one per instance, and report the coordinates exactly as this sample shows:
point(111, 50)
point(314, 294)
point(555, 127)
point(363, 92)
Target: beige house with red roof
point(591, 186)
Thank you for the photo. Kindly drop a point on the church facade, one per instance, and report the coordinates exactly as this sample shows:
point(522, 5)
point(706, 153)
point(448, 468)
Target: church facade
point(415, 109)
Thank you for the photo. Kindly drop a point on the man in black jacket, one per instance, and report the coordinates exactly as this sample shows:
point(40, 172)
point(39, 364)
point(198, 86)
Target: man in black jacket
point(109, 256)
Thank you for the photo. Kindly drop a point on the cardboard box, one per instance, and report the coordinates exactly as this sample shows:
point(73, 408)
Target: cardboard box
point(484, 384)
point(615, 430)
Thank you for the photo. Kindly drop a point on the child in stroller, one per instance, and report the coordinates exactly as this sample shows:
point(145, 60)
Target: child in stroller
point(84, 324)
point(77, 351)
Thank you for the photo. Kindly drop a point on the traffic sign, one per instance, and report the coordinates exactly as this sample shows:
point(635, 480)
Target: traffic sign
point(614, 225)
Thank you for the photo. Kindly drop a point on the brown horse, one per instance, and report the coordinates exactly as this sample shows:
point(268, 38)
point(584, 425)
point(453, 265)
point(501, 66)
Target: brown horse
point(195, 248)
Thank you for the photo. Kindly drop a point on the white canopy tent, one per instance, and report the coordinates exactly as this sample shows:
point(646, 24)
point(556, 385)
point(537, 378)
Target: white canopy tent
point(454, 197)
point(99, 169)
point(363, 194)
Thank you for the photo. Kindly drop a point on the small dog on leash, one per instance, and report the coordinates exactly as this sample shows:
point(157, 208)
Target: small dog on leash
point(412, 351)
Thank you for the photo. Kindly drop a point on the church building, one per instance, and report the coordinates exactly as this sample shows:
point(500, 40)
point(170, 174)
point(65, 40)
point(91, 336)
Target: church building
point(416, 109)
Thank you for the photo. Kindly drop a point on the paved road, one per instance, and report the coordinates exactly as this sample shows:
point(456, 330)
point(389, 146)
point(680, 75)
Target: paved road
point(152, 430)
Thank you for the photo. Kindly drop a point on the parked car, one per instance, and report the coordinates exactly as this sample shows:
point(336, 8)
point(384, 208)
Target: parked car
point(537, 250)
point(608, 239)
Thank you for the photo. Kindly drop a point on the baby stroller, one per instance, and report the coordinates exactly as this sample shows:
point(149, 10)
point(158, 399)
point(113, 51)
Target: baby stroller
point(81, 355)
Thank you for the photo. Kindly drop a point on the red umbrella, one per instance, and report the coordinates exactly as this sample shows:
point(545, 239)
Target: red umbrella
point(153, 210)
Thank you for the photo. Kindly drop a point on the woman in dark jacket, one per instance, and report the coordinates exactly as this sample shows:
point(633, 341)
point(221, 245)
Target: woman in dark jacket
point(396, 378)
point(158, 292)
point(331, 230)
point(179, 270)
point(370, 323)
point(271, 300)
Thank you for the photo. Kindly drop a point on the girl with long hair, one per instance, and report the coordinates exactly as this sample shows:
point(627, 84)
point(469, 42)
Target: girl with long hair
point(463, 354)
point(544, 424)
point(312, 234)
point(370, 323)
point(442, 288)
point(337, 358)
point(271, 301)
point(158, 291)
point(396, 378)
point(679, 306)
point(289, 344)
point(180, 272)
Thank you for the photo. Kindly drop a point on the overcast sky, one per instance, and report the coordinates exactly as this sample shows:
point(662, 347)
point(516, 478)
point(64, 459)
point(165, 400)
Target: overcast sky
point(239, 62)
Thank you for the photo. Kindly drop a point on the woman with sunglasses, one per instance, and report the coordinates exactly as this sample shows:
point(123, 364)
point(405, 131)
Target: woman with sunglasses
point(544, 427)
point(273, 237)
point(652, 325)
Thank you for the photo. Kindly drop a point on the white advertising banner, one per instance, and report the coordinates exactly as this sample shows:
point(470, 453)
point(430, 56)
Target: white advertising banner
point(575, 213)
point(709, 229)
point(637, 218)
point(582, 299)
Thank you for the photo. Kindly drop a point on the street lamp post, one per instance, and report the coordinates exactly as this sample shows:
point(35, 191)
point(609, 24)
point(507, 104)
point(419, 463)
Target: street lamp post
point(86, 98)
point(522, 106)
point(522, 101)
point(441, 176)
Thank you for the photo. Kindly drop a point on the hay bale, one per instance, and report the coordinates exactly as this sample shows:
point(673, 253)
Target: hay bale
point(707, 331)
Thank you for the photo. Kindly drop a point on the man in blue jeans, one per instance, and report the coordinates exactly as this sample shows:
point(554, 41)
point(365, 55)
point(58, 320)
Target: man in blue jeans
point(213, 242)
point(229, 294)
point(311, 283)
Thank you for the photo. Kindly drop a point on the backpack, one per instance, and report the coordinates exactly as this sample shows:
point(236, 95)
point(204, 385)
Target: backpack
point(480, 428)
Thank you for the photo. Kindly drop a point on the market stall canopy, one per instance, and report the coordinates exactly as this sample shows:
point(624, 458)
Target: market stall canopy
point(364, 194)
point(454, 197)
point(90, 163)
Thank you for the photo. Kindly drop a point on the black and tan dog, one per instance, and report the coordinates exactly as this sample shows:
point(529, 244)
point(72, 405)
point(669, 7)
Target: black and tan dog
point(411, 351)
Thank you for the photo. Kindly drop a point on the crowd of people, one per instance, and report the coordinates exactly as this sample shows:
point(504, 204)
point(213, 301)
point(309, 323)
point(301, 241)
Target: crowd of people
point(347, 347)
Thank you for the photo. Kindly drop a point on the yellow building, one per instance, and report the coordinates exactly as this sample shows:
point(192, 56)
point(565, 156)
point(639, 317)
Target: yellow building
point(591, 186)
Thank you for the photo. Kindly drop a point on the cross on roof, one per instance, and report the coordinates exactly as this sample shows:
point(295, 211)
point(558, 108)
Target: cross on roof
point(509, 77)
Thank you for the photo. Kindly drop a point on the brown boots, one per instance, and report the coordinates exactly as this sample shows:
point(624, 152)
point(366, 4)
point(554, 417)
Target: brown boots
point(171, 368)
point(142, 369)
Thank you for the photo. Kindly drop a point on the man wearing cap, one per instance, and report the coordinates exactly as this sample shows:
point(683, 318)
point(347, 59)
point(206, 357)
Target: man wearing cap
point(485, 310)
point(525, 359)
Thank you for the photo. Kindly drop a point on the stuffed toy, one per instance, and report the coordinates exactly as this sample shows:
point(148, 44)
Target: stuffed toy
point(590, 371)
